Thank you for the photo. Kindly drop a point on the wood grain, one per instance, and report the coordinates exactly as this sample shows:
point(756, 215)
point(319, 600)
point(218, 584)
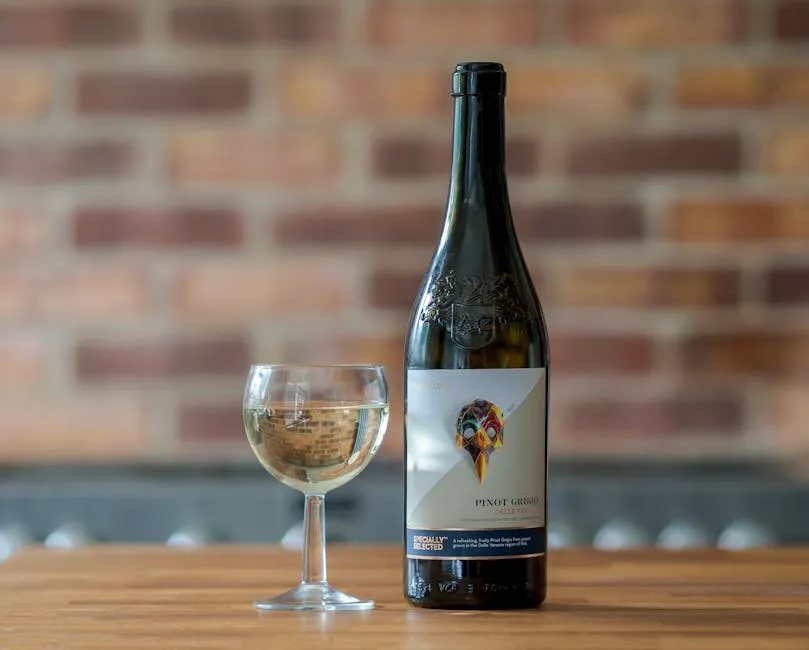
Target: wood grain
point(150, 597)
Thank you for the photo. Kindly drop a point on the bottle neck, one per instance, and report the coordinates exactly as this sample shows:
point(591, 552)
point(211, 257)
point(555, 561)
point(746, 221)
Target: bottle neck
point(478, 212)
point(478, 151)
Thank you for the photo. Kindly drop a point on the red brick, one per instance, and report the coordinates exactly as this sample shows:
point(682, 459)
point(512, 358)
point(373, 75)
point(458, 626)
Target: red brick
point(320, 89)
point(371, 350)
point(419, 24)
point(329, 226)
point(162, 359)
point(25, 358)
point(650, 154)
point(238, 291)
point(386, 351)
point(406, 157)
point(787, 410)
point(76, 427)
point(15, 301)
point(395, 289)
point(75, 24)
point(91, 293)
point(522, 156)
point(192, 226)
point(748, 353)
point(599, 354)
point(787, 150)
point(788, 285)
point(583, 90)
point(26, 92)
point(679, 415)
point(43, 161)
point(743, 85)
point(207, 155)
point(739, 220)
point(722, 86)
point(791, 20)
point(22, 231)
point(204, 422)
point(645, 287)
point(140, 93)
point(281, 23)
point(411, 157)
point(654, 24)
point(574, 221)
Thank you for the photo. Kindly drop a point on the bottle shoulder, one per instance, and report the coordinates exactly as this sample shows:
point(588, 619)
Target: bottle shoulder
point(477, 305)
point(477, 322)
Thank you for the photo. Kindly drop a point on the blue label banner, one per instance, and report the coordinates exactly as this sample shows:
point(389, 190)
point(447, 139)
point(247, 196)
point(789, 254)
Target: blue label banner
point(470, 544)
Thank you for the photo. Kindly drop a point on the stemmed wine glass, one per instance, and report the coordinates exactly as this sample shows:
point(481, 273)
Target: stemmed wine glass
point(314, 428)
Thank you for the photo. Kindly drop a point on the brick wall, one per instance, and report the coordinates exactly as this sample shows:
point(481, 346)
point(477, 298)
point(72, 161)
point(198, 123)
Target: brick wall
point(186, 187)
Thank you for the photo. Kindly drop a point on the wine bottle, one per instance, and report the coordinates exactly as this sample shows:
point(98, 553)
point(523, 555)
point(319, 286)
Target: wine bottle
point(476, 385)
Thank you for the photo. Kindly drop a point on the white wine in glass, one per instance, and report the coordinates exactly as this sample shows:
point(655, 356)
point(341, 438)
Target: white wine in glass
point(314, 428)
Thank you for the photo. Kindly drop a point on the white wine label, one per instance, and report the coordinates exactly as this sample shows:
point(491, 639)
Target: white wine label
point(475, 463)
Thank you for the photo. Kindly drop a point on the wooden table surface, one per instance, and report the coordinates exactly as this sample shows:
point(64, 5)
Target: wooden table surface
point(152, 597)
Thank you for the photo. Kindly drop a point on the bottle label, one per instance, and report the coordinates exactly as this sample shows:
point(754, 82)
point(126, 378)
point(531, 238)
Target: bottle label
point(475, 463)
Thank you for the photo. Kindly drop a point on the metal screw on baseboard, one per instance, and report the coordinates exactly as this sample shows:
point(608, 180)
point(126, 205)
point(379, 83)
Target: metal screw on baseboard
point(561, 535)
point(70, 535)
point(12, 538)
point(746, 533)
point(683, 533)
point(620, 534)
point(190, 537)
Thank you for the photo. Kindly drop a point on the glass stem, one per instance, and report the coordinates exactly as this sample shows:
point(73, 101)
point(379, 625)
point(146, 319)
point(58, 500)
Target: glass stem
point(314, 540)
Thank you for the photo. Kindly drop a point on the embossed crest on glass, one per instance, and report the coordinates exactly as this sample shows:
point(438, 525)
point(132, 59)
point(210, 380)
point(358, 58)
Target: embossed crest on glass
point(314, 428)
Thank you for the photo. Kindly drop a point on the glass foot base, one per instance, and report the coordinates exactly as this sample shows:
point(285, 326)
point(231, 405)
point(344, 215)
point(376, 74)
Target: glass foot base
point(313, 597)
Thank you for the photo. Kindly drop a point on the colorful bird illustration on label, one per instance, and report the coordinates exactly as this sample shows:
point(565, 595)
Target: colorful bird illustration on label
point(480, 432)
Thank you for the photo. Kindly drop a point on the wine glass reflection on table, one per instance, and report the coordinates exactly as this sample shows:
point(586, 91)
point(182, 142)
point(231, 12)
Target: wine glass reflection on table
point(314, 428)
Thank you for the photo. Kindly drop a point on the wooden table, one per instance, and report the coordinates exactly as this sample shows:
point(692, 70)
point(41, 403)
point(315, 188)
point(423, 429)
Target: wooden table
point(148, 597)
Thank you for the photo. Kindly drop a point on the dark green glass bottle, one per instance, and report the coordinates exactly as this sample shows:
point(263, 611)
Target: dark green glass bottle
point(476, 385)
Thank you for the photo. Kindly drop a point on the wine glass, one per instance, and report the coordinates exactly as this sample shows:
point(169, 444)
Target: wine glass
point(314, 428)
